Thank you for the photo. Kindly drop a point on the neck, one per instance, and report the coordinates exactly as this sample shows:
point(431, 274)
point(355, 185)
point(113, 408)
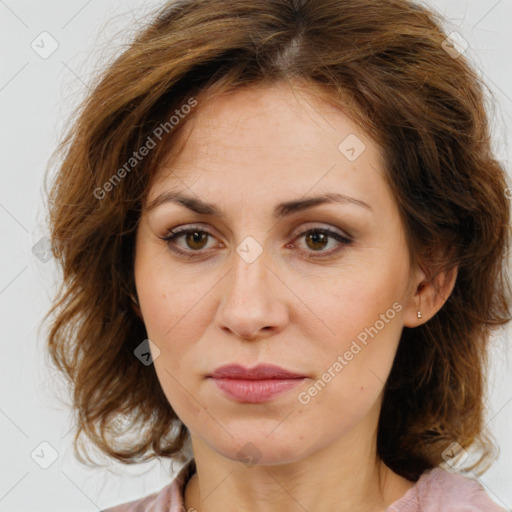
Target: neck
point(341, 478)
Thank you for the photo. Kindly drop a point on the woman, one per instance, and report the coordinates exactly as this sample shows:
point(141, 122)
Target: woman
point(282, 233)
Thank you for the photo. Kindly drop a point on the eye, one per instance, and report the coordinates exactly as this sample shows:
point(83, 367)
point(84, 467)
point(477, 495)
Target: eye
point(195, 239)
point(316, 239)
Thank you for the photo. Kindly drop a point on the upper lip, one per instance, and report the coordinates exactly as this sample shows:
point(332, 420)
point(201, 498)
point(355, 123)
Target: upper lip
point(261, 371)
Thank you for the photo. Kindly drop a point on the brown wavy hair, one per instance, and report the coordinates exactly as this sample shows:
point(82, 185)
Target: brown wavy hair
point(387, 64)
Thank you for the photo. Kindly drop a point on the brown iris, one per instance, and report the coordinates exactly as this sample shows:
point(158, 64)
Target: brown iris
point(317, 238)
point(196, 237)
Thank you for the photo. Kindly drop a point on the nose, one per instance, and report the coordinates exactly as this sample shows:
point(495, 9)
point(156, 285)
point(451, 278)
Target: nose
point(253, 300)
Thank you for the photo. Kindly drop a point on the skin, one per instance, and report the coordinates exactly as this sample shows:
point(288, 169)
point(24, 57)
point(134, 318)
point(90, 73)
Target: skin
point(247, 151)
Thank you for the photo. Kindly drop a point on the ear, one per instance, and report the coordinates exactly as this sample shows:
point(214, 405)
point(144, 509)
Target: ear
point(428, 296)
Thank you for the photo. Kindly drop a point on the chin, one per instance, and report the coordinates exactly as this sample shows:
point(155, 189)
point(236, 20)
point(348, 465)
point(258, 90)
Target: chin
point(261, 449)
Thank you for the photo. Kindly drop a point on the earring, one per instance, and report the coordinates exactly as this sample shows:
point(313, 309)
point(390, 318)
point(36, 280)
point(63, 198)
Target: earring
point(134, 300)
point(419, 313)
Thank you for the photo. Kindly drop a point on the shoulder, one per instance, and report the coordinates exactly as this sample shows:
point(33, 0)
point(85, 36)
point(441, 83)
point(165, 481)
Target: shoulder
point(157, 502)
point(439, 490)
point(168, 499)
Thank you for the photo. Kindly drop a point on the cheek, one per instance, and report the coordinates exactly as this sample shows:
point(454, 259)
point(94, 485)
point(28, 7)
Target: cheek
point(347, 306)
point(165, 296)
point(361, 324)
point(176, 312)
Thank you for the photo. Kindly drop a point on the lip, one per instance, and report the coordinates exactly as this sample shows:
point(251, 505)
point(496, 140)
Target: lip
point(259, 372)
point(254, 385)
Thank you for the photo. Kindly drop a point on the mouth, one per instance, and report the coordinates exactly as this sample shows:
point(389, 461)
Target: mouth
point(254, 385)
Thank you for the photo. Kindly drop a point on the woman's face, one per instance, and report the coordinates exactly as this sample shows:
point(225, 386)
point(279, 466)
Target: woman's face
point(322, 291)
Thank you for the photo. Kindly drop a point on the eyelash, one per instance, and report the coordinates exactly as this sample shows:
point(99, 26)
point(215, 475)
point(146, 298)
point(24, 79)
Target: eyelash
point(176, 233)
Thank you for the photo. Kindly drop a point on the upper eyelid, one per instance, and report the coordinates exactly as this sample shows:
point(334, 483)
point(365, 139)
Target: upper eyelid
point(333, 232)
point(322, 227)
point(310, 226)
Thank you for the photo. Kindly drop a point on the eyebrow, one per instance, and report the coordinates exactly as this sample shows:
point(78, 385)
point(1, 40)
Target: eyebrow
point(281, 210)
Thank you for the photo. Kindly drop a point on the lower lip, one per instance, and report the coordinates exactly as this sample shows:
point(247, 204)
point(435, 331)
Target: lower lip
point(255, 391)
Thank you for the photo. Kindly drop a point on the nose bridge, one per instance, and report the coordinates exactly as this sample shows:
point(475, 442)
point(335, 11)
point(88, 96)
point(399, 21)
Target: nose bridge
point(249, 269)
point(251, 254)
point(249, 302)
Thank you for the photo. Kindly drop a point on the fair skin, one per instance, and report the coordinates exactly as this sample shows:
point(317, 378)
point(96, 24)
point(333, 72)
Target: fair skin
point(246, 152)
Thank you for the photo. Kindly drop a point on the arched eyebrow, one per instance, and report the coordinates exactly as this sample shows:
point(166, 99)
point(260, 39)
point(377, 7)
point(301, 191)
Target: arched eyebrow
point(281, 210)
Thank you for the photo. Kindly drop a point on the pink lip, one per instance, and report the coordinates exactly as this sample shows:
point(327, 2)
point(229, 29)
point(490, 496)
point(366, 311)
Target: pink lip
point(259, 372)
point(254, 385)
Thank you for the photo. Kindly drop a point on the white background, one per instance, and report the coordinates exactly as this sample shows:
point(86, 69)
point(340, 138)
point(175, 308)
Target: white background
point(36, 97)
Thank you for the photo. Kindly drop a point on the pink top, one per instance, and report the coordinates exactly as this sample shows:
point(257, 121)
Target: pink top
point(437, 490)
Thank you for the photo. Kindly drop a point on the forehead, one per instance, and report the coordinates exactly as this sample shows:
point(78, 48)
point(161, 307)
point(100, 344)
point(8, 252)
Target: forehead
point(270, 141)
point(262, 119)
